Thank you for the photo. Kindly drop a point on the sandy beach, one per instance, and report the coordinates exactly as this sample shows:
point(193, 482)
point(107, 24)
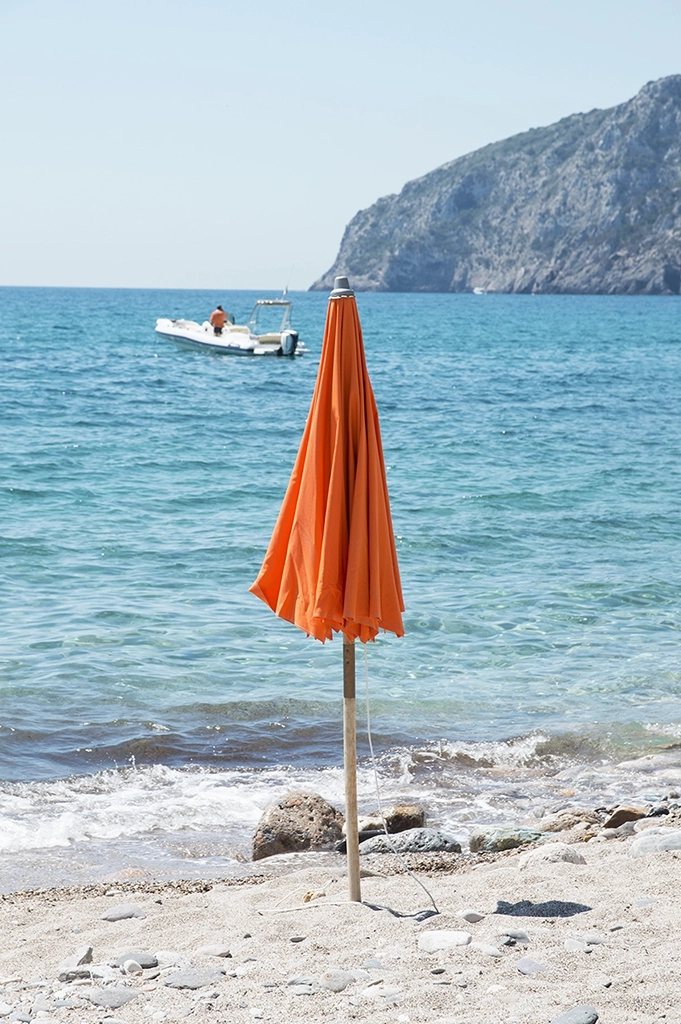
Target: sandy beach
point(604, 933)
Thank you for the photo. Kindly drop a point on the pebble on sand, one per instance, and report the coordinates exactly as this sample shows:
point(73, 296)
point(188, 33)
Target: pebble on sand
point(111, 998)
point(123, 912)
point(577, 1015)
point(336, 981)
point(655, 840)
point(431, 942)
point(193, 979)
point(551, 853)
point(145, 960)
point(526, 965)
point(470, 915)
point(221, 951)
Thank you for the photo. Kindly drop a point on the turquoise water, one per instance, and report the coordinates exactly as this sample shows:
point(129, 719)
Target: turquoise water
point(533, 449)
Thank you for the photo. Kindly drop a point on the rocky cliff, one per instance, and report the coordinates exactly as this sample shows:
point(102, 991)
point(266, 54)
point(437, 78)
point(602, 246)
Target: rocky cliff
point(591, 204)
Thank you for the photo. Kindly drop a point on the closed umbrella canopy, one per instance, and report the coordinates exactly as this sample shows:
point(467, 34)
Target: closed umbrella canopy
point(331, 563)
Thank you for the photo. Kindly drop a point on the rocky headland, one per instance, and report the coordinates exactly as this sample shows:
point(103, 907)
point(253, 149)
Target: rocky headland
point(590, 205)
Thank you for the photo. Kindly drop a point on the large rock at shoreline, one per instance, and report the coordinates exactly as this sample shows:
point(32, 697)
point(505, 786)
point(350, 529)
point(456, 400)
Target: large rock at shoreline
point(591, 204)
point(397, 818)
point(495, 840)
point(301, 821)
point(413, 840)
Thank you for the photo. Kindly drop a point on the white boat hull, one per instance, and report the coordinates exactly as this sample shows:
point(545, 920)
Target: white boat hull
point(234, 340)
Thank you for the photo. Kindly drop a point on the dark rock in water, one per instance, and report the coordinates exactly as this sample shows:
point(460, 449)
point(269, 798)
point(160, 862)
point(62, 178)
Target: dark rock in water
point(577, 1015)
point(496, 839)
point(623, 814)
point(591, 204)
point(414, 840)
point(301, 821)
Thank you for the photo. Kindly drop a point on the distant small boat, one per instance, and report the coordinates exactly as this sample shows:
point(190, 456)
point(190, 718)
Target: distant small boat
point(238, 339)
point(479, 291)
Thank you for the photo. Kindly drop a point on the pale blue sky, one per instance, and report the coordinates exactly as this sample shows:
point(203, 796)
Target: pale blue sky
point(196, 143)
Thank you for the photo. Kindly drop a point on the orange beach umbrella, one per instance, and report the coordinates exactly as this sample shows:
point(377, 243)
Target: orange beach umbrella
point(331, 565)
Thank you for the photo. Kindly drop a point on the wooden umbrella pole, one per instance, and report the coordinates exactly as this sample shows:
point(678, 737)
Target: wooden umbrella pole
point(350, 757)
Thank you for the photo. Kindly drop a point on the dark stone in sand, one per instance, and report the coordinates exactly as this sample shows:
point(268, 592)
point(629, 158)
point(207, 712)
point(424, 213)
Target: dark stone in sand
point(301, 821)
point(577, 1015)
point(111, 998)
point(414, 840)
point(551, 908)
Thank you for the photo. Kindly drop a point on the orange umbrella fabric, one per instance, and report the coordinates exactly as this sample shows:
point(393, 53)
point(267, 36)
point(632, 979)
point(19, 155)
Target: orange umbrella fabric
point(331, 564)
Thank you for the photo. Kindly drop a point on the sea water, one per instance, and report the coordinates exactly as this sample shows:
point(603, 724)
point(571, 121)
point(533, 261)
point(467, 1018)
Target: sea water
point(150, 707)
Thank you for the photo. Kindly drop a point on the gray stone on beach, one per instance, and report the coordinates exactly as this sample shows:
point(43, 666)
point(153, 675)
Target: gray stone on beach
point(299, 821)
point(470, 915)
point(336, 981)
point(577, 1015)
point(529, 967)
point(193, 979)
point(397, 818)
point(132, 967)
point(576, 946)
point(217, 950)
point(516, 933)
point(75, 966)
point(551, 853)
point(123, 912)
point(487, 949)
point(145, 960)
point(302, 979)
point(569, 818)
point(413, 840)
point(83, 955)
point(495, 840)
point(111, 998)
point(432, 941)
point(655, 840)
point(621, 832)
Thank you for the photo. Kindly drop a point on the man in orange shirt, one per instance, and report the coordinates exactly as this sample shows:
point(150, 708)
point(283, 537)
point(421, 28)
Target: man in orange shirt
point(218, 319)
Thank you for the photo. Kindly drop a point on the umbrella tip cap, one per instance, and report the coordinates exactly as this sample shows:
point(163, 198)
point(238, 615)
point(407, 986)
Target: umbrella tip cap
point(341, 286)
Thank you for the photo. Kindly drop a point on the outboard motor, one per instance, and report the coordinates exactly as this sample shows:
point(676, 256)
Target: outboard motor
point(289, 342)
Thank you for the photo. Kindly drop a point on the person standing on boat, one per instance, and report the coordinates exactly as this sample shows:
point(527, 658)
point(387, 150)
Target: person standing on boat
point(218, 319)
